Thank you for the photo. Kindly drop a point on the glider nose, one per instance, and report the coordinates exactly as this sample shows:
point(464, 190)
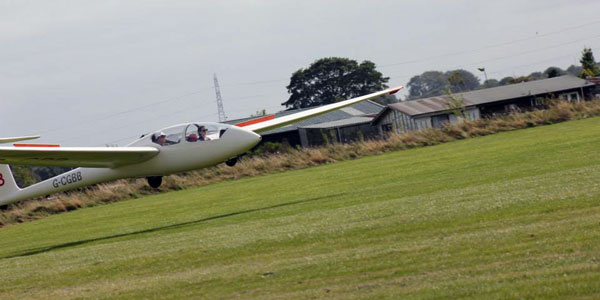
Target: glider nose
point(244, 137)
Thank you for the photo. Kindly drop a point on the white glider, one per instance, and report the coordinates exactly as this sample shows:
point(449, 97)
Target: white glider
point(171, 150)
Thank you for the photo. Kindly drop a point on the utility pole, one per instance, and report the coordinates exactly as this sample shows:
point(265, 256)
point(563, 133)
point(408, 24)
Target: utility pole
point(222, 116)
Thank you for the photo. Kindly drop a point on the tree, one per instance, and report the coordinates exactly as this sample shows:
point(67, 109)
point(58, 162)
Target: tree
point(24, 175)
point(44, 173)
point(490, 83)
point(521, 79)
point(462, 81)
point(506, 80)
point(456, 104)
point(513, 80)
point(435, 83)
point(428, 84)
point(588, 63)
point(552, 72)
point(536, 75)
point(333, 79)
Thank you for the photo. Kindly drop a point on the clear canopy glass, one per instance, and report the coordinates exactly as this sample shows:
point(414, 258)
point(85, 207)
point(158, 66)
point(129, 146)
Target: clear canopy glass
point(184, 133)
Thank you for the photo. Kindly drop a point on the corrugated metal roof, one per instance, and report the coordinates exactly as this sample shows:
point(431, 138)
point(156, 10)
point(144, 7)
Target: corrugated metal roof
point(341, 123)
point(352, 111)
point(506, 92)
point(364, 108)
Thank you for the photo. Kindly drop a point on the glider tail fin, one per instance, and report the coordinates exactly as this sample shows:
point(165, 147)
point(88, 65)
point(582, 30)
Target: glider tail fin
point(8, 185)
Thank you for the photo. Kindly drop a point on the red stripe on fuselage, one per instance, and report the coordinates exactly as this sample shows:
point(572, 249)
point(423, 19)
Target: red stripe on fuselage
point(257, 120)
point(36, 145)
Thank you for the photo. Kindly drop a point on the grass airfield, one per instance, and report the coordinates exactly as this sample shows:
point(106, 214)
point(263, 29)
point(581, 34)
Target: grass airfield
point(511, 215)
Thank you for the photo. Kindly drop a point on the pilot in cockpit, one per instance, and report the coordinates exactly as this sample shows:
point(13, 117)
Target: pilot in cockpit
point(202, 131)
point(161, 139)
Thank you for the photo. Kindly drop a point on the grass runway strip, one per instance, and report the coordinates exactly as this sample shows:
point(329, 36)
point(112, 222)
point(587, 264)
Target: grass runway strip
point(512, 215)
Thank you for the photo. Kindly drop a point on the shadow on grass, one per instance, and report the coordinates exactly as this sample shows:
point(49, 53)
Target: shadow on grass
point(161, 228)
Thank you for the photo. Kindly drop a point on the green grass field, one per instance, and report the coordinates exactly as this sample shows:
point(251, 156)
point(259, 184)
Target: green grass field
point(512, 215)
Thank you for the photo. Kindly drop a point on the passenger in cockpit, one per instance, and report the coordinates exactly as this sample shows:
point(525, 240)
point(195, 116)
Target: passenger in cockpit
point(202, 134)
point(192, 137)
point(161, 139)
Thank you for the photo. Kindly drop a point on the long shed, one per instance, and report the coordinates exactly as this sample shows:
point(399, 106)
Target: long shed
point(434, 112)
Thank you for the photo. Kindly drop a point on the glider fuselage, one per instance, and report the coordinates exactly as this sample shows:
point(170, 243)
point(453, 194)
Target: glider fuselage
point(173, 158)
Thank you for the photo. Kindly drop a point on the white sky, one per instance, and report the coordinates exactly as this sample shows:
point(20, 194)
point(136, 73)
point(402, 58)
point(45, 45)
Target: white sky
point(89, 73)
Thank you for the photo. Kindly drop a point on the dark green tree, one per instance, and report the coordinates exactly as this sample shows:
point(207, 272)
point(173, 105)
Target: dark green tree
point(490, 83)
point(552, 72)
point(436, 83)
point(24, 175)
point(333, 79)
point(536, 75)
point(521, 79)
point(513, 80)
point(506, 80)
point(428, 84)
point(461, 81)
point(588, 63)
point(456, 104)
point(46, 172)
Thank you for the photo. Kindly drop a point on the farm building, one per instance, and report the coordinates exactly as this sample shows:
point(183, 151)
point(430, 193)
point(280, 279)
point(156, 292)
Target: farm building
point(341, 131)
point(343, 125)
point(434, 112)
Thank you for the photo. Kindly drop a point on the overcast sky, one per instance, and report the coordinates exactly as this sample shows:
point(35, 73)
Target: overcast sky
point(90, 73)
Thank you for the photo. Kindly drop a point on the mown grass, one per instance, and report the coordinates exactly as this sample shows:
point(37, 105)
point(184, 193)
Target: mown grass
point(513, 215)
point(558, 111)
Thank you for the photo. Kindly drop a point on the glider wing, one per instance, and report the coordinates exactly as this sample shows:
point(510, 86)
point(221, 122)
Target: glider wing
point(93, 157)
point(293, 118)
point(16, 139)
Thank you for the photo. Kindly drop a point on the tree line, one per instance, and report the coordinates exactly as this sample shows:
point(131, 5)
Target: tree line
point(435, 83)
point(332, 79)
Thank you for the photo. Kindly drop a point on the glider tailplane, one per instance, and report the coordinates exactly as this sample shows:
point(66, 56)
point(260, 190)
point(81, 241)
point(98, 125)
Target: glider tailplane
point(8, 185)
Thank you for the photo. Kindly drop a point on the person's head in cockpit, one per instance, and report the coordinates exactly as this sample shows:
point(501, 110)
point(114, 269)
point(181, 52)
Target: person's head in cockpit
point(202, 131)
point(161, 139)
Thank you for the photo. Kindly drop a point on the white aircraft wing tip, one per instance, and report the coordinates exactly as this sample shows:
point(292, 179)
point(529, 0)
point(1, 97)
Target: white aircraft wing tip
point(18, 138)
point(395, 89)
point(272, 123)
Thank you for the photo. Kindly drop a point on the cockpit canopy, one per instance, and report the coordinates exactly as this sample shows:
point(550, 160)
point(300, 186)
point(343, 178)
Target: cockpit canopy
point(184, 133)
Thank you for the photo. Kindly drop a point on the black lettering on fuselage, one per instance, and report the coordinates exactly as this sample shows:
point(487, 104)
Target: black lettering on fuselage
point(67, 179)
